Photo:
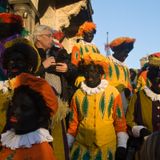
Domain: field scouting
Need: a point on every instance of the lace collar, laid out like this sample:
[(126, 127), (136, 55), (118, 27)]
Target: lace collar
[(86, 43), (117, 61), (98, 89), (10, 140), (153, 96)]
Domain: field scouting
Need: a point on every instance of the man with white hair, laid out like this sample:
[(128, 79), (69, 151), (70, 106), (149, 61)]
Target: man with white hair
[(58, 70)]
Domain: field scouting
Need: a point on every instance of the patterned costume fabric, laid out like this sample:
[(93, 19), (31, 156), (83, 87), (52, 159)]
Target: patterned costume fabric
[(80, 49), (97, 116), (142, 81), (118, 74)]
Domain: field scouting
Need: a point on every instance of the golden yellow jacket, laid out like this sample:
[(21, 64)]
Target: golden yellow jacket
[(96, 115)]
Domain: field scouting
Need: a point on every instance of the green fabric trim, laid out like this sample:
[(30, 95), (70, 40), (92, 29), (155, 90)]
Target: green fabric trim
[(119, 113), (86, 156), (98, 156), (81, 51), (109, 155), (76, 154), (117, 71), (102, 104), (85, 105), (110, 105), (110, 71), (86, 49)]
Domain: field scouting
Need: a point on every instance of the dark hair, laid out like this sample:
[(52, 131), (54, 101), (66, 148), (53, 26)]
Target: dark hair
[(9, 29), (29, 53)]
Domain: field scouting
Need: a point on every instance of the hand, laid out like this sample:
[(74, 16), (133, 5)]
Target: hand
[(61, 67), (49, 62), (144, 132), (120, 153)]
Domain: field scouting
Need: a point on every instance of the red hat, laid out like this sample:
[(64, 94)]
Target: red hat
[(58, 35), (121, 43), (86, 27), (10, 18), (154, 59)]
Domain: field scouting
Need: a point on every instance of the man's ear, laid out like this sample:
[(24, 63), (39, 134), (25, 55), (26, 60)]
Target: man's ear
[(38, 37)]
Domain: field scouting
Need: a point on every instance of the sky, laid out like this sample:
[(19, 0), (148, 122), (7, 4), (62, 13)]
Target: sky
[(139, 19)]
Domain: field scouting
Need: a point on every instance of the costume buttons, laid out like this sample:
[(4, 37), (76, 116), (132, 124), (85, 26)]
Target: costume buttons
[(158, 116), (158, 107)]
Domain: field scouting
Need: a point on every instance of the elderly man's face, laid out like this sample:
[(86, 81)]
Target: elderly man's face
[(45, 39)]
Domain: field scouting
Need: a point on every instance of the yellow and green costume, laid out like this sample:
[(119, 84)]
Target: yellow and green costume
[(118, 74), (96, 117)]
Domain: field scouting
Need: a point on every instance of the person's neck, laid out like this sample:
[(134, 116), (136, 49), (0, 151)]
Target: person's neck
[(117, 57), (155, 90), (38, 45)]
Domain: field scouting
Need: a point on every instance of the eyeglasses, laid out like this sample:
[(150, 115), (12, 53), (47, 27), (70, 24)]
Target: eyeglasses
[(48, 35)]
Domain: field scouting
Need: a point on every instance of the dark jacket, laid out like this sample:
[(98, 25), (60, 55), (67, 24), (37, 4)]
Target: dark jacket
[(68, 78)]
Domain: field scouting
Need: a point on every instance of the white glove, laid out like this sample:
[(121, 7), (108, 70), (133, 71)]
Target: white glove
[(70, 140)]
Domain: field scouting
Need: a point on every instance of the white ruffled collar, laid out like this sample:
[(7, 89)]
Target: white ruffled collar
[(86, 43), (99, 88), (117, 61), (10, 140), (153, 96)]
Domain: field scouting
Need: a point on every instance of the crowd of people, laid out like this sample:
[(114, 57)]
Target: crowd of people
[(82, 105)]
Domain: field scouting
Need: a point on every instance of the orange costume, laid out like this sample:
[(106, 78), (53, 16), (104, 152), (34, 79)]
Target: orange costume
[(29, 153)]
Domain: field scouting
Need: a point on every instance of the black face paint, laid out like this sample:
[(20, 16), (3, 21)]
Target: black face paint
[(92, 75), (23, 114), (16, 64), (154, 77), (88, 36), (27, 111)]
